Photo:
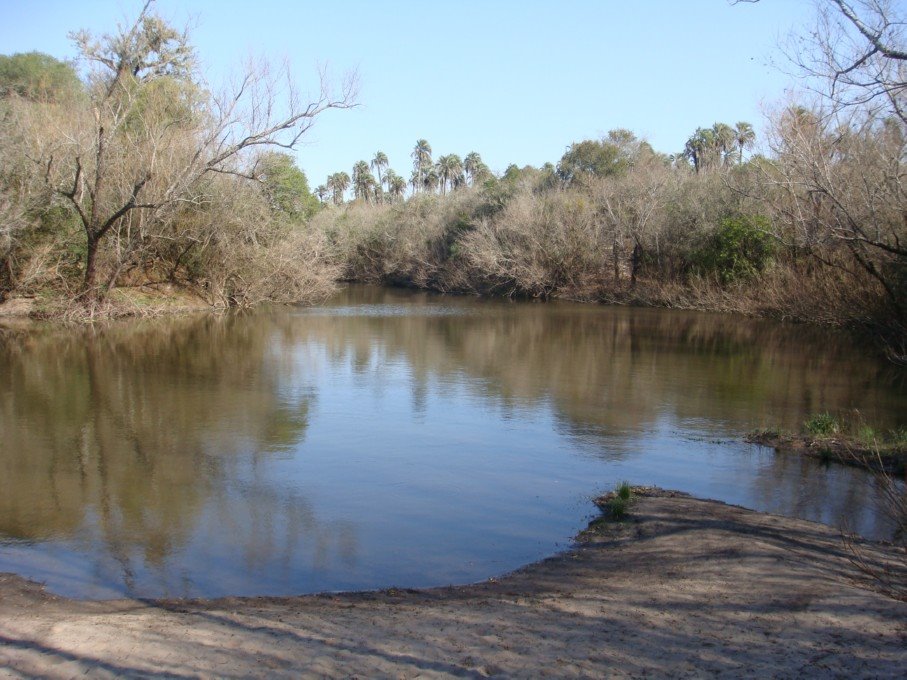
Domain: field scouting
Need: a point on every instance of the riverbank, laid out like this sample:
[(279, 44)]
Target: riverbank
[(683, 586), (138, 301), (890, 458)]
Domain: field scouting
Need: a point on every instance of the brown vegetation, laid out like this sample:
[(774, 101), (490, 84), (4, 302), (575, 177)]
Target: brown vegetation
[(890, 459), (811, 230), (656, 234), (140, 175)]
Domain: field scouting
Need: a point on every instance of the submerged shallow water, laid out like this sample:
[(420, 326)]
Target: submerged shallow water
[(392, 438)]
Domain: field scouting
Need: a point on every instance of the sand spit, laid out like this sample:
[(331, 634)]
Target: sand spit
[(685, 587)]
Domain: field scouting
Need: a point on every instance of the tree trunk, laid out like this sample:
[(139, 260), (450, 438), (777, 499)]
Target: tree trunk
[(635, 263), (7, 277), (90, 286), (615, 253)]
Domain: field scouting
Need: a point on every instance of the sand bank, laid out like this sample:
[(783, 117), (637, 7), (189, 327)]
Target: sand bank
[(683, 587)]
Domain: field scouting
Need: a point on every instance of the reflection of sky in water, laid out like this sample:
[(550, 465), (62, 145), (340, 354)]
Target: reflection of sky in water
[(404, 440)]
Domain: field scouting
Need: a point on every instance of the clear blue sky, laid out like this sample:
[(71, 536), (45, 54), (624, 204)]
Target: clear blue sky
[(517, 81)]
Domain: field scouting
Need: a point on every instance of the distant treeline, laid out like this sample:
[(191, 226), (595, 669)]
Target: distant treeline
[(814, 230)]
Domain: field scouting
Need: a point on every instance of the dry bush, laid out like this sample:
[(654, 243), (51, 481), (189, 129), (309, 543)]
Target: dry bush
[(237, 254), (219, 236), (836, 196), (411, 243), (290, 270), (140, 160), (539, 245)]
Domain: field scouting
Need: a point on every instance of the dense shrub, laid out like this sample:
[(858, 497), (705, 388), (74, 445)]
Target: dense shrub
[(740, 248)]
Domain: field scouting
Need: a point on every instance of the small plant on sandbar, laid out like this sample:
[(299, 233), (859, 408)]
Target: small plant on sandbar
[(822, 425), (624, 490), (619, 501), (617, 506)]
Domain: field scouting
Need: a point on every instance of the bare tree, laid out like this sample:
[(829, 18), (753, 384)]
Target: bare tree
[(840, 190), (151, 136), (629, 206), (858, 56), (835, 179)]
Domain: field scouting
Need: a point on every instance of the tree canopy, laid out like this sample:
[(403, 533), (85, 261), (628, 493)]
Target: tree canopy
[(38, 77), (599, 158), (286, 186)]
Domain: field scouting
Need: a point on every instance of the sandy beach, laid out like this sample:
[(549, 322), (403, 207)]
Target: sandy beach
[(684, 587)]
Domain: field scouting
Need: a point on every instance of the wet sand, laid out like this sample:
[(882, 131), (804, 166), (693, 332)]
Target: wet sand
[(684, 587)]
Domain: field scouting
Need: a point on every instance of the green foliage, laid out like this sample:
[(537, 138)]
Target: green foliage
[(866, 434), (624, 491), (898, 437), (163, 102), (38, 77), (719, 145), (740, 249), (286, 187), (618, 507), (591, 158), (822, 424), (512, 174), (460, 224), (619, 500), (497, 193), (58, 219)]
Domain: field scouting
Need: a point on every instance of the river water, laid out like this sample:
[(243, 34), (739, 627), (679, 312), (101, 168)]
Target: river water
[(392, 438)]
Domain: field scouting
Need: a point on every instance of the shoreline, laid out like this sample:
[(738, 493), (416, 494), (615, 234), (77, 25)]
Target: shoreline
[(163, 300), (683, 585), (135, 302), (839, 449)]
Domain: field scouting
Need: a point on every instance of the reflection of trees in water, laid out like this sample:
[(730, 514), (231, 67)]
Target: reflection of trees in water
[(610, 374), (277, 525), (795, 484), (134, 429), (142, 431), (612, 370)]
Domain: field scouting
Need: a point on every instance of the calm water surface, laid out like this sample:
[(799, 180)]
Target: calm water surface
[(391, 438)]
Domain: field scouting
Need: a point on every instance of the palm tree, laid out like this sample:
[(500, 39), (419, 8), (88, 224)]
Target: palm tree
[(338, 183), (443, 175), (377, 163), (472, 164), (321, 191), (363, 181), (450, 171), (421, 156), (700, 148), (746, 137), (396, 185), (725, 140), (455, 168), (430, 178), (694, 149)]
